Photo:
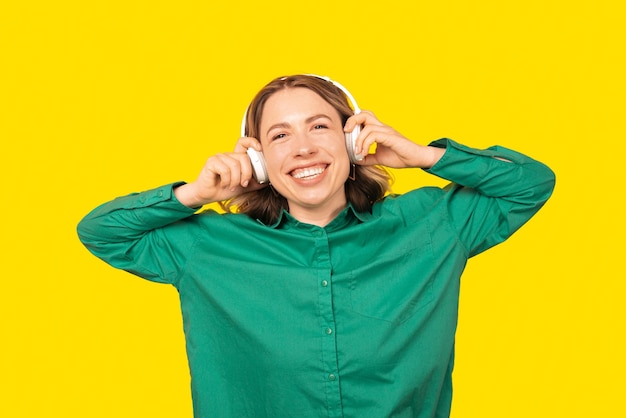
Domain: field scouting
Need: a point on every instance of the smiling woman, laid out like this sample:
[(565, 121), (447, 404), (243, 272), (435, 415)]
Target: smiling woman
[(320, 295), (362, 188)]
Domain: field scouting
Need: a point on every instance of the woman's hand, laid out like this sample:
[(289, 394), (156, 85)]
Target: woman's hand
[(392, 149), (223, 176)]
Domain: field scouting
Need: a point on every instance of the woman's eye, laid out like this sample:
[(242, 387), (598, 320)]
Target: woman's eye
[(320, 126), (278, 136)]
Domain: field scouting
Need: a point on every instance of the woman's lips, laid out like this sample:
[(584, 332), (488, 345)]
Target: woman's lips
[(307, 173)]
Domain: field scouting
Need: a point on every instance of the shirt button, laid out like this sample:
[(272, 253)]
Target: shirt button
[(332, 377), (329, 331), (324, 283)]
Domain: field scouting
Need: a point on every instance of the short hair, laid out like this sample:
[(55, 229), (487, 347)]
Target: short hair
[(370, 184)]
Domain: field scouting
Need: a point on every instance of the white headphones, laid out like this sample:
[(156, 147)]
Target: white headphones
[(259, 168)]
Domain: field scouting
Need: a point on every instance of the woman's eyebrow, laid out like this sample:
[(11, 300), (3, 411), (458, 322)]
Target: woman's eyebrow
[(318, 116), (284, 125)]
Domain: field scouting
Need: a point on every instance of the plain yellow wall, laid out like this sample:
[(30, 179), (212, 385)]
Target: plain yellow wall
[(103, 98)]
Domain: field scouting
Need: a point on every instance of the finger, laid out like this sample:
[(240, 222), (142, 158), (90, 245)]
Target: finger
[(247, 142), (246, 169), (369, 136), (215, 172), (255, 185), (235, 165), (229, 170), (369, 159), (365, 117), (220, 168)]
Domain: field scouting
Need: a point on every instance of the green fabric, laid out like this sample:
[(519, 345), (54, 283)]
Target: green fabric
[(356, 319)]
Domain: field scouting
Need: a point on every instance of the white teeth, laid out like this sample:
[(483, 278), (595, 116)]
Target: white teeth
[(308, 172)]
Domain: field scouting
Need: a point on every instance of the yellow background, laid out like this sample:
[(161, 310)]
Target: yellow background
[(102, 98)]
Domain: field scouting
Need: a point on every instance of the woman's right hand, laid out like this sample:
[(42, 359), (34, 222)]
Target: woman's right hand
[(223, 176)]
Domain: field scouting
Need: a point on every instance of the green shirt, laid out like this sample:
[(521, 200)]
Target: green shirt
[(356, 319)]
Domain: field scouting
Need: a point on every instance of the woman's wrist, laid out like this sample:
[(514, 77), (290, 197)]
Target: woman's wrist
[(187, 196), (426, 156)]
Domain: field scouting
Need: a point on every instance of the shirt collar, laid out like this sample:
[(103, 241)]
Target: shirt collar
[(346, 217)]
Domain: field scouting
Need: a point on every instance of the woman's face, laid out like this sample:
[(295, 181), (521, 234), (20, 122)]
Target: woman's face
[(304, 147)]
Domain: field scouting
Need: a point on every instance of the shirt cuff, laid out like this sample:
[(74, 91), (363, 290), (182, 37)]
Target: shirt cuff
[(471, 166)]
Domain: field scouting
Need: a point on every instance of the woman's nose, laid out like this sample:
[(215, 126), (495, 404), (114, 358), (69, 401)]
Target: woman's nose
[(304, 145)]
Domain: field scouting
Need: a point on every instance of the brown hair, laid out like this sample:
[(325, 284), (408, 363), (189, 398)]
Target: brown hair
[(370, 183)]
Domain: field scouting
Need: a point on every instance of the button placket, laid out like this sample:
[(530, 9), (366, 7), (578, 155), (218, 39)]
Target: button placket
[(327, 321)]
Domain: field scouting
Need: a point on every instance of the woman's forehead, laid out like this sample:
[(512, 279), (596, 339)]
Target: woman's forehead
[(292, 101)]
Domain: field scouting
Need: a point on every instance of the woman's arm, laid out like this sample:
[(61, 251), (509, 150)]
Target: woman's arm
[(136, 233), (148, 233), (493, 192)]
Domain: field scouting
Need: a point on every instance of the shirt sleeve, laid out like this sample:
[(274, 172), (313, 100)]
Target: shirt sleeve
[(492, 193), (128, 233)]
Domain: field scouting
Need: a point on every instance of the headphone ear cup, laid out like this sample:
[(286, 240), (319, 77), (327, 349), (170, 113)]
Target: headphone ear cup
[(259, 169), (351, 143)]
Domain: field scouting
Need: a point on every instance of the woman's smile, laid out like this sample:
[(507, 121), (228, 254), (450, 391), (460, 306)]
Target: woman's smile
[(308, 173)]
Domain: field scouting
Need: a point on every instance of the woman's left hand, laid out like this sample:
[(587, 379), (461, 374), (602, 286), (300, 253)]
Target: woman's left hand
[(392, 148)]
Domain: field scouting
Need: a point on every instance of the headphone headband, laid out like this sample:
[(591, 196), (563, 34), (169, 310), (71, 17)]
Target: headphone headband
[(355, 107)]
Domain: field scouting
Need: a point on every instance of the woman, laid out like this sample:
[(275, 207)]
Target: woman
[(320, 295)]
